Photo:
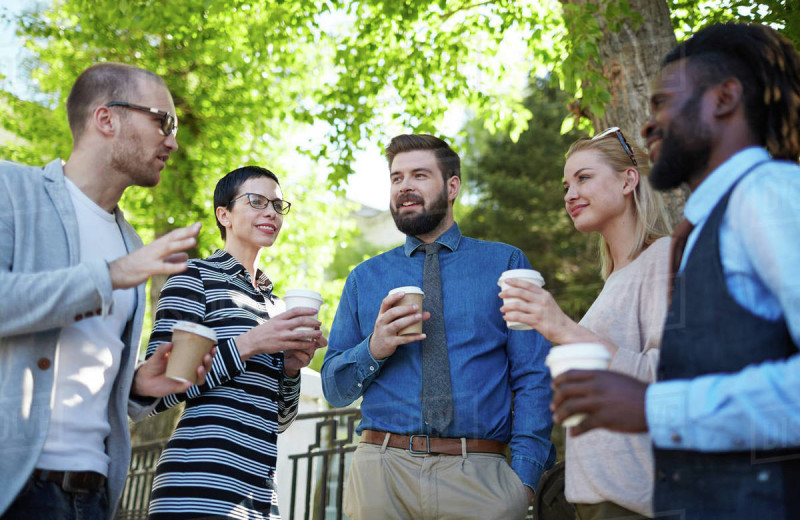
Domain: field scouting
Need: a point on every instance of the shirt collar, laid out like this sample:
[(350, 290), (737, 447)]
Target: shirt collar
[(706, 196), (232, 267), (449, 239)]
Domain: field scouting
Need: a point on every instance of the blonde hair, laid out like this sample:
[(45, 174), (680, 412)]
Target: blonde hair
[(652, 219)]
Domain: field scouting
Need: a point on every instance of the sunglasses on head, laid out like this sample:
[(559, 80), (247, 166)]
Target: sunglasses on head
[(625, 146), (169, 125)]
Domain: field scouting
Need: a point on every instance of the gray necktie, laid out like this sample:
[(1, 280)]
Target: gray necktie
[(437, 394)]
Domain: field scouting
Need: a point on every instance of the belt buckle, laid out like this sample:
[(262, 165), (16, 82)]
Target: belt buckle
[(418, 452), (70, 483)]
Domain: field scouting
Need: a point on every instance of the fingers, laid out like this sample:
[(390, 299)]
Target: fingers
[(390, 301), (177, 258)]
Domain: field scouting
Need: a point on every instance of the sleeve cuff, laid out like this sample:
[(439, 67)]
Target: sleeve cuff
[(666, 405), (528, 471)]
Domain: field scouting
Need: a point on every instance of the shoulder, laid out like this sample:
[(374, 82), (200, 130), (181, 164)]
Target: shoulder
[(488, 246), (770, 191), (380, 261), (20, 174)]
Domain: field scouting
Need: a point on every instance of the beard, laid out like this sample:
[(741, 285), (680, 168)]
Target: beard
[(685, 150), (128, 157), (422, 223)]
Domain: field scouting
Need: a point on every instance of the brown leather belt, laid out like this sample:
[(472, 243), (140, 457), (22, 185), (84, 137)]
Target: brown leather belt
[(424, 444), (74, 481)]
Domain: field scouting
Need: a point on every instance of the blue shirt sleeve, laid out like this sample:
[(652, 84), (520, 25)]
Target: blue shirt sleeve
[(530, 384), (348, 367)]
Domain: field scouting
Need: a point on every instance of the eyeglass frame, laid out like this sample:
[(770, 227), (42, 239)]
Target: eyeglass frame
[(280, 210), (167, 119), (624, 142)]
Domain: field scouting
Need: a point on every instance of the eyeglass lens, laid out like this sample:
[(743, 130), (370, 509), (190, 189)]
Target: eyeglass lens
[(260, 202)]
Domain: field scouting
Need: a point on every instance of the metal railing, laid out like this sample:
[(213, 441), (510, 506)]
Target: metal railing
[(324, 462)]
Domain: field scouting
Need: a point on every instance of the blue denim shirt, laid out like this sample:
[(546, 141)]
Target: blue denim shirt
[(488, 362)]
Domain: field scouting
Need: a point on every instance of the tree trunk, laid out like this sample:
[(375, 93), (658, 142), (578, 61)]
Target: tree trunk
[(630, 60)]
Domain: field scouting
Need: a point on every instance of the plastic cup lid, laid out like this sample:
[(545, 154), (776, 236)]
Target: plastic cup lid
[(529, 274), (577, 350), (408, 289), (195, 328), (303, 293)]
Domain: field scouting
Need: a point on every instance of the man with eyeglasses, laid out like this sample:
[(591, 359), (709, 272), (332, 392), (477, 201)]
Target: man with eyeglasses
[(72, 272), (724, 415)]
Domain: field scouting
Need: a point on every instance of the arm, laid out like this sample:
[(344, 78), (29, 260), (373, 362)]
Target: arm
[(289, 392), (353, 361), (289, 385), (531, 450), (183, 298)]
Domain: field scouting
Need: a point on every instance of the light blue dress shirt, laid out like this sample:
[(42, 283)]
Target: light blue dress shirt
[(488, 362), (759, 407)]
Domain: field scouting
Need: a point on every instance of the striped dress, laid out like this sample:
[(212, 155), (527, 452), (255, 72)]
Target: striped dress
[(220, 460)]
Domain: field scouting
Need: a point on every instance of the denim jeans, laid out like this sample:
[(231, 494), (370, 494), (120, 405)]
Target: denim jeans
[(45, 500)]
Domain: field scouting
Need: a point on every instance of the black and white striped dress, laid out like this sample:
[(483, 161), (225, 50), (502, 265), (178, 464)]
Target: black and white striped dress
[(220, 460)]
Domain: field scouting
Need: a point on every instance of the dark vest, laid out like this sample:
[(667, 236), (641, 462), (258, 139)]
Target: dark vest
[(707, 332)]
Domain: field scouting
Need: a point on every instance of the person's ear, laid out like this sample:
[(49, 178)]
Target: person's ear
[(105, 121), (631, 180), (223, 216), (453, 187), (728, 97)]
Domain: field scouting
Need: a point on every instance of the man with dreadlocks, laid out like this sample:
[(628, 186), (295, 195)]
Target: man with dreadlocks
[(724, 416)]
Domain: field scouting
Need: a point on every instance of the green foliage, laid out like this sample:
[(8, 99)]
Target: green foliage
[(239, 76), (516, 196), (783, 15)]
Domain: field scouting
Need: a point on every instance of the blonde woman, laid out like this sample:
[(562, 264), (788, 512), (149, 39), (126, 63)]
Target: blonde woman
[(610, 475)]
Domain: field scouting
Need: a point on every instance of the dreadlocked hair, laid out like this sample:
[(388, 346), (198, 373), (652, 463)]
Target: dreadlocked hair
[(768, 67)]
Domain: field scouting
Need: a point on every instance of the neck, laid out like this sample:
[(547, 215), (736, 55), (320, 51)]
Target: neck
[(620, 235), (95, 178), (732, 141), (248, 256)]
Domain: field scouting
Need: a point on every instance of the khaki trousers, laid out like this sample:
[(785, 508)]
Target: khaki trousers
[(393, 484)]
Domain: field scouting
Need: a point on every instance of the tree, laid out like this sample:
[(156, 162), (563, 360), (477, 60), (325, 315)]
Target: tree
[(516, 196)]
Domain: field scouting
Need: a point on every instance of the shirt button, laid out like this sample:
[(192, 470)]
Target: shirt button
[(371, 368), (763, 476), (676, 477), (676, 438), (43, 363), (359, 385)]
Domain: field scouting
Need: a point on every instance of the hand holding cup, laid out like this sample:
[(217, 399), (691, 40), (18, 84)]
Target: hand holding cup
[(392, 326)]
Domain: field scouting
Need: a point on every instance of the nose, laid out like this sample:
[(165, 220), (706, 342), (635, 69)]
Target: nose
[(571, 194), (171, 142)]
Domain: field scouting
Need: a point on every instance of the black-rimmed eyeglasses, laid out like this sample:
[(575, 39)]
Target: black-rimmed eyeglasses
[(169, 125), (625, 146), (257, 201)]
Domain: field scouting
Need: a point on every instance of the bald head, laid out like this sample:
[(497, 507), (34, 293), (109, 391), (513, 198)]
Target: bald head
[(101, 84)]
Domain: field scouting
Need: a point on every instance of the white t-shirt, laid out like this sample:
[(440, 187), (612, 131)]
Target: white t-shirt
[(87, 357)]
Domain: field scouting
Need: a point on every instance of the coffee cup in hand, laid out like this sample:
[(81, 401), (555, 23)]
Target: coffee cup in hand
[(303, 298), (413, 296), (529, 275), (190, 342), (577, 356)]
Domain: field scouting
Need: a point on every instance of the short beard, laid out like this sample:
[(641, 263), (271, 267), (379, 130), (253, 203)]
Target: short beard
[(685, 150), (425, 222)]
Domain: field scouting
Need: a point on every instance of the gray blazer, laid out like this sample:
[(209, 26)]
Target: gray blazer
[(43, 287)]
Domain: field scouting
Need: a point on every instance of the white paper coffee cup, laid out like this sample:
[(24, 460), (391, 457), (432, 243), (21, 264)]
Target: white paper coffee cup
[(190, 342), (303, 298), (413, 296), (577, 356), (528, 275)]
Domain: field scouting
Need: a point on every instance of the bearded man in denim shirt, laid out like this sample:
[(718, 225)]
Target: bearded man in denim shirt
[(406, 466)]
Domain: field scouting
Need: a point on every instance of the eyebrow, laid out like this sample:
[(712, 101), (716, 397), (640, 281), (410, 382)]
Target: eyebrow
[(415, 170)]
